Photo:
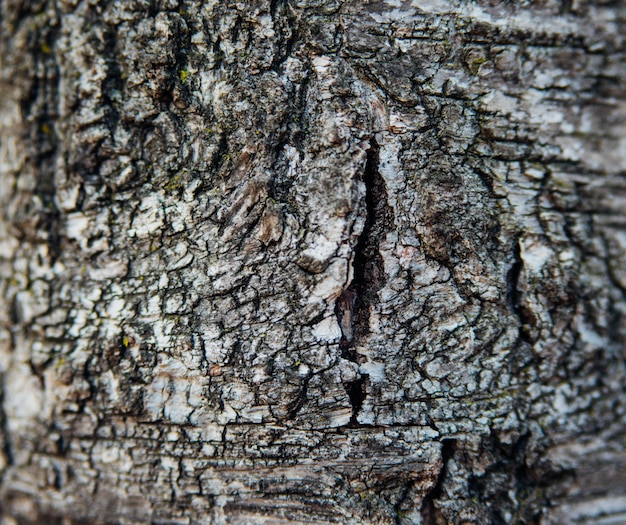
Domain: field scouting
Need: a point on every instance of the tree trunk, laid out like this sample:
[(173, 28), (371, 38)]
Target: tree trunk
[(312, 261)]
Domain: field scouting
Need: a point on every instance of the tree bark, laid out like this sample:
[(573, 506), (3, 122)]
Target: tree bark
[(312, 261)]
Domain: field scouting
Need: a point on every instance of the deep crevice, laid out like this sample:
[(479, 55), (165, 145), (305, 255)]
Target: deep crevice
[(113, 84), (38, 104), (7, 448), (428, 510), (295, 406), (357, 393), (354, 305), (515, 298)]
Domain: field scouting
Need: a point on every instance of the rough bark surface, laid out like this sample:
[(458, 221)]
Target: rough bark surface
[(312, 261)]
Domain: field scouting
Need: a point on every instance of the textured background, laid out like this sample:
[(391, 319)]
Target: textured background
[(312, 261)]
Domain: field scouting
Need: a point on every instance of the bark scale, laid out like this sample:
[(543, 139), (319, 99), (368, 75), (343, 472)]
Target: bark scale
[(312, 261)]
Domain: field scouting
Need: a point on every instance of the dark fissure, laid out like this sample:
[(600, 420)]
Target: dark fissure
[(429, 510), (515, 298), (39, 108), (354, 305)]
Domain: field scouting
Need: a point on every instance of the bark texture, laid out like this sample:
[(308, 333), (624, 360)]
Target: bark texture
[(312, 261)]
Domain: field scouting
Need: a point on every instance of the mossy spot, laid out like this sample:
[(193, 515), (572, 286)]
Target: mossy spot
[(474, 64), (174, 184), (183, 74)]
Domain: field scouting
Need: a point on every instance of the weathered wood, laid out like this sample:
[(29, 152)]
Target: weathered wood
[(312, 261)]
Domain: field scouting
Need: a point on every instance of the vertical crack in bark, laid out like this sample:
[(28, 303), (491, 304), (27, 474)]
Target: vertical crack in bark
[(295, 406), (113, 83), (428, 510), (514, 296), (39, 109), (354, 305), (7, 448)]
